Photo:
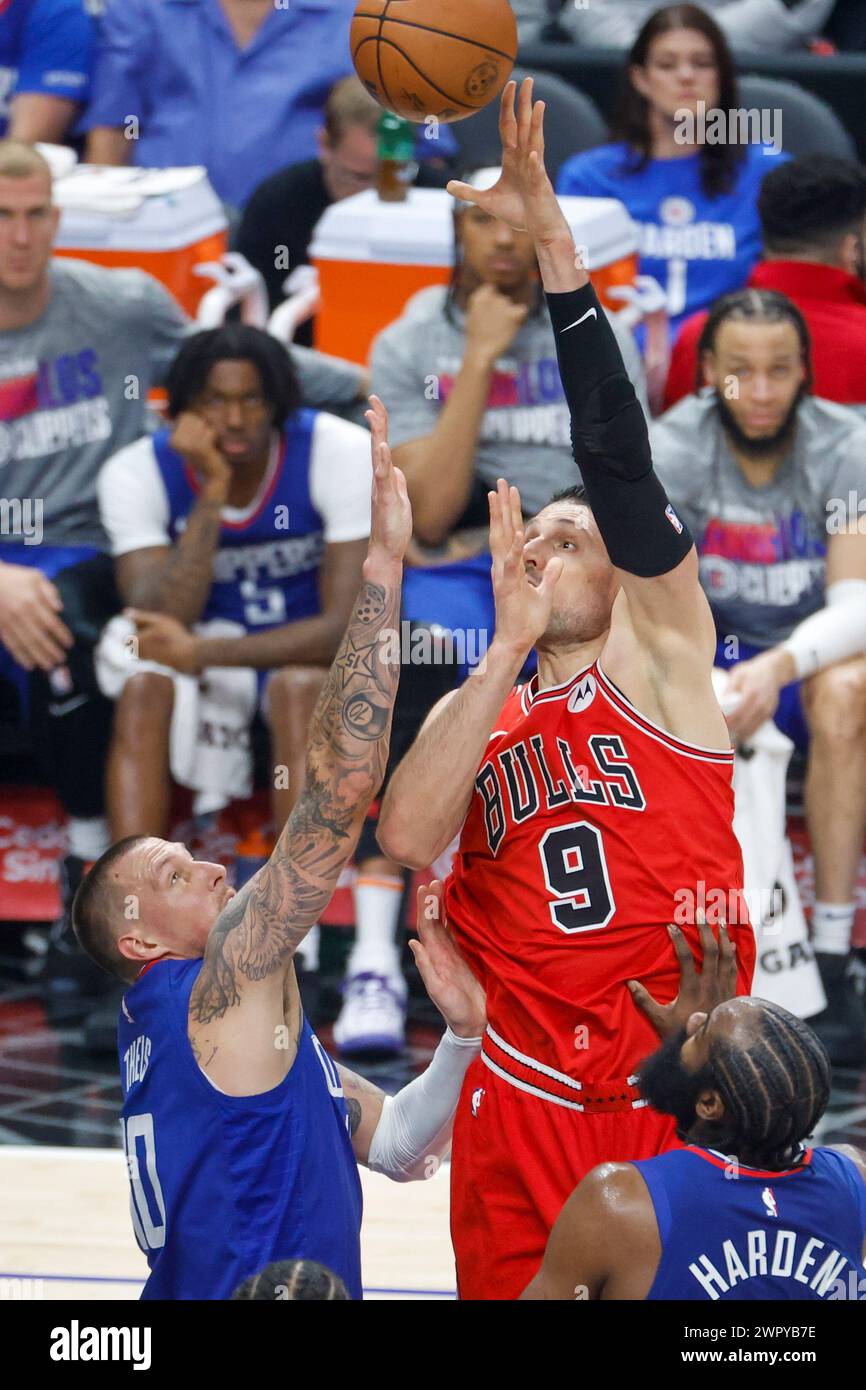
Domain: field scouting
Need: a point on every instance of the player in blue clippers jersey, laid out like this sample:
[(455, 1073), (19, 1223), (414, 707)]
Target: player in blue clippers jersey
[(745, 1211), (241, 1135), (249, 510)]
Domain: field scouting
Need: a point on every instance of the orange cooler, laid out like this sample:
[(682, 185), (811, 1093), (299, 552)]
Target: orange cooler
[(165, 221), (372, 256)]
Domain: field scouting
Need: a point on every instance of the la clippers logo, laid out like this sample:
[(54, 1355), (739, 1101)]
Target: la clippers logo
[(676, 211), (476, 1100), (769, 1201), (674, 519), (583, 696)]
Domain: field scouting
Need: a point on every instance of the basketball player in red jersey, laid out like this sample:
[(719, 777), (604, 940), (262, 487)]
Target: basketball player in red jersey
[(595, 802)]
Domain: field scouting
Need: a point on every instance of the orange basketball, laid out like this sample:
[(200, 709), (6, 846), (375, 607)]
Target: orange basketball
[(442, 58)]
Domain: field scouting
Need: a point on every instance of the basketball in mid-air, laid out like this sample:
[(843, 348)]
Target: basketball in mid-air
[(442, 58)]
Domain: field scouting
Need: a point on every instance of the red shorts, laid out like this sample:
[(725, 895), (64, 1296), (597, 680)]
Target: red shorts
[(515, 1160)]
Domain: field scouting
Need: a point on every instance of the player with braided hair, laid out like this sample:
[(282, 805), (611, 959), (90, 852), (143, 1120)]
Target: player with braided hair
[(746, 1210), (293, 1281)]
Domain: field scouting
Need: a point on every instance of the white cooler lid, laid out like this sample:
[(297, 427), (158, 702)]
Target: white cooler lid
[(108, 208), (420, 230)]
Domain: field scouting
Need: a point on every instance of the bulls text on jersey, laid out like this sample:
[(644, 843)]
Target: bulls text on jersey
[(537, 775)]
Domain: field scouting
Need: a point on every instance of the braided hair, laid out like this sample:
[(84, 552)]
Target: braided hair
[(774, 1089), (754, 306), (293, 1281)]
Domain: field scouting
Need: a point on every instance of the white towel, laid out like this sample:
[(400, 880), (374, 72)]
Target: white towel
[(785, 969), (209, 747)]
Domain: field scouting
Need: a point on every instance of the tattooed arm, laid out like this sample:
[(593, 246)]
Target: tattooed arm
[(236, 1015)]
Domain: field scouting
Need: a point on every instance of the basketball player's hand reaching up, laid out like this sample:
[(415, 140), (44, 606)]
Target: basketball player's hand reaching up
[(447, 978), (524, 597), (523, 196), (698, 993), (391, 520)]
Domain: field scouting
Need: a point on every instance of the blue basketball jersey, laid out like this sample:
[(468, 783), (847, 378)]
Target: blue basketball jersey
[(222, 1185), (741, 1233), (266, 567)]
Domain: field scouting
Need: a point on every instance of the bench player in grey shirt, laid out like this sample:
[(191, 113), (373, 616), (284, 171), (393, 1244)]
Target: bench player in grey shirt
[(80, 347), (770, 480)]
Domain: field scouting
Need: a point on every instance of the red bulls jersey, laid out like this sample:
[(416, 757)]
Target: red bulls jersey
[(589, 830)]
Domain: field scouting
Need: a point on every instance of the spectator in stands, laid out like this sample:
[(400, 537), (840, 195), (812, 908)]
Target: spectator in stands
[(699, 234), (771, 479), (80, 347), (470, 379), (46, 56), (278, 221), (244, 508), (236, 85), (813, 219), (753, 25)]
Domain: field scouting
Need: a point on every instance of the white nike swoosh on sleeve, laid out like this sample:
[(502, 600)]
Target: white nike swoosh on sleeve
[(590, 313)]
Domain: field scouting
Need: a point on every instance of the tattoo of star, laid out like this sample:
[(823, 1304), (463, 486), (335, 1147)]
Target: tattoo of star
[(355, 661)]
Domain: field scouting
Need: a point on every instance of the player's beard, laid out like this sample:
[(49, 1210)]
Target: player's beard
[(767, 444), (670, 1087), (570, 625)]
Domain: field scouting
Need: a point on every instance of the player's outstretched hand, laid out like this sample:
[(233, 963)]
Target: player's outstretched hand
[(523, 600), (523, 197), (391, 523), (447, 978), (698, 993)]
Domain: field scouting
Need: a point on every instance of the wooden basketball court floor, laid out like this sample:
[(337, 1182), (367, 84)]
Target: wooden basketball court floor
[(66, 1233)]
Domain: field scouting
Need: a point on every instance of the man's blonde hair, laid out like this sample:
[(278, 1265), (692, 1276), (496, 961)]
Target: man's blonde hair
[(19, 161)]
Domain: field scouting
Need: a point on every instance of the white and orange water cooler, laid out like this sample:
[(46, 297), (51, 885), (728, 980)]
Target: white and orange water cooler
[(165, 221), (372, 256)]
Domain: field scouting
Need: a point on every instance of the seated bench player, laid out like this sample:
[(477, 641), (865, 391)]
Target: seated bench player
[(245, 507), (767, 476)]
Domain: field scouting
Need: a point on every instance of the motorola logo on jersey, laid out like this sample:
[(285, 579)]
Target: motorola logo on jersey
[(583, 695)]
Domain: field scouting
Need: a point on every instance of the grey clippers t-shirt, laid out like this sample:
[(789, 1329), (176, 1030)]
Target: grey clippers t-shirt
[(525, 433), (74, 386), (73, 389), (762, 549)]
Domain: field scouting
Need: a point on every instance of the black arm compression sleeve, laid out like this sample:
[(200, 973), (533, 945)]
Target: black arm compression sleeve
[(610, 442)]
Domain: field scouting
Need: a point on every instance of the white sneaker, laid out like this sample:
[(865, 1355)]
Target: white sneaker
[(373, 1016)]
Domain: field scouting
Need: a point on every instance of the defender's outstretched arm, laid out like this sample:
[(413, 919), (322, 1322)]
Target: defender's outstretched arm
[(260, 930)]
